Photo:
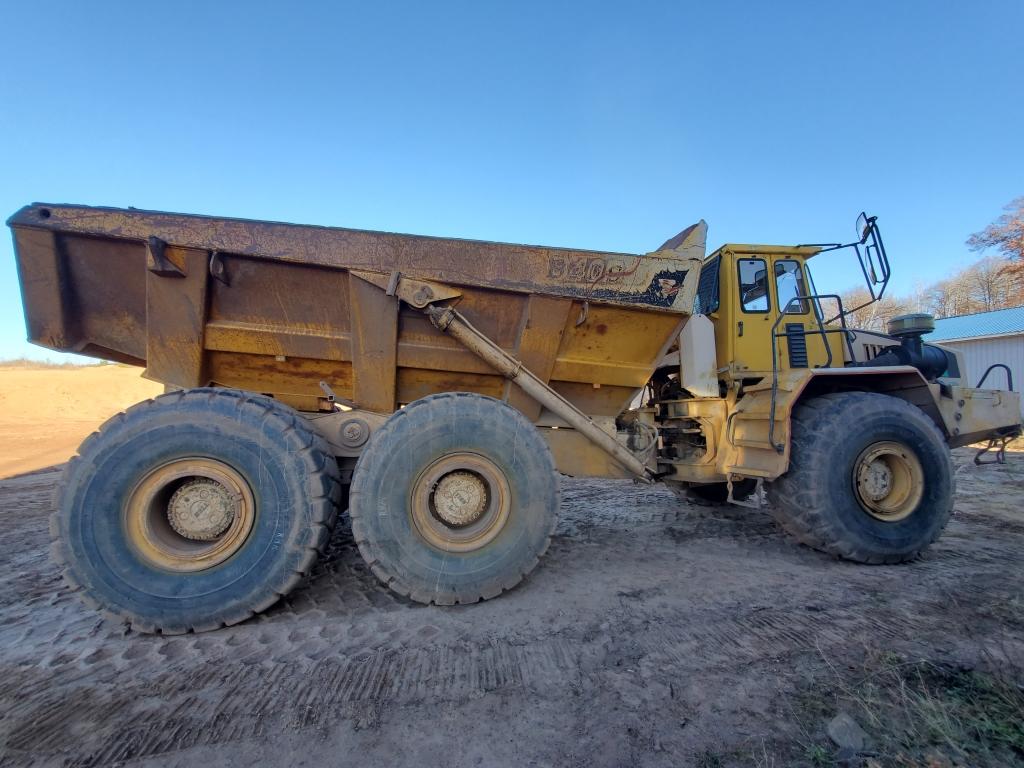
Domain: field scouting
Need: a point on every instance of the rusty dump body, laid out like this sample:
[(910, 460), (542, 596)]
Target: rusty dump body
[(278, 308)]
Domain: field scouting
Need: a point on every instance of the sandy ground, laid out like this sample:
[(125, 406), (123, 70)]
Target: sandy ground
[(31, 399), (654, 633)]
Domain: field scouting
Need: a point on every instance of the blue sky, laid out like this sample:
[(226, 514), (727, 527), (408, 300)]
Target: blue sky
[(608, 126)]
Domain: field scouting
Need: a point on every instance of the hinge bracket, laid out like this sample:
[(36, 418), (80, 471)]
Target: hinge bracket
[(157, 261)]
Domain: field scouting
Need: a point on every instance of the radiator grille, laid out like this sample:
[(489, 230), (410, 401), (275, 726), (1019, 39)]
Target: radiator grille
[(796, 342)]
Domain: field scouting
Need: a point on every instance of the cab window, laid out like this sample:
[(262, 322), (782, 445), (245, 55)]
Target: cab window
[(706, 300), (753, 276), (789, 283)]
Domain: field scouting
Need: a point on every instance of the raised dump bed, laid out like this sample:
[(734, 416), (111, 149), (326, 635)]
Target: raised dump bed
[(278, 308)]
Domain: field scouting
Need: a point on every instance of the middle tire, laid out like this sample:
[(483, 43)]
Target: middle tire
[(454, 499)]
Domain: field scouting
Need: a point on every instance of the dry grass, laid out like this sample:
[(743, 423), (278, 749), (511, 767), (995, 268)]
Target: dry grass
[(921, 714)]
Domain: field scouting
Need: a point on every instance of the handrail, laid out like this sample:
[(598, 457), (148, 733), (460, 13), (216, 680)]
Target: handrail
[(1009, 375), (779, 448)]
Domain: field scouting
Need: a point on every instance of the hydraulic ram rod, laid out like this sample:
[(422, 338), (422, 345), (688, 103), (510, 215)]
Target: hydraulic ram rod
[(448, 320)]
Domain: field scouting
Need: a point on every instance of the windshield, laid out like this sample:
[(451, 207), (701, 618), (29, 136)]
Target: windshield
[(789, 284)]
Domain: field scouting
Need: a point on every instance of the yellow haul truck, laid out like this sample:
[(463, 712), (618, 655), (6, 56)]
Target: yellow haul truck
[(440, 386)]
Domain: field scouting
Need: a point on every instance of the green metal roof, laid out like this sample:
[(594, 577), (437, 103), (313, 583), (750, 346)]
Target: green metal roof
[(999, 322)]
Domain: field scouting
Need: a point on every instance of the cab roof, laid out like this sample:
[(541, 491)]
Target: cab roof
[(742, 249)]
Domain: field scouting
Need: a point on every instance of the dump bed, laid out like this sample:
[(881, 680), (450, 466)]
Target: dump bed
[(278, 308)]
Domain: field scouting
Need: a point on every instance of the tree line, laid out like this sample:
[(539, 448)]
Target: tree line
[(994, 281)]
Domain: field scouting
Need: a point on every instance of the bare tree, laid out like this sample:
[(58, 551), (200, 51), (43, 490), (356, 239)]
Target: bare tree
[(874, 316), (981, 287), (946, 298), (1006, 235), (989, 287)]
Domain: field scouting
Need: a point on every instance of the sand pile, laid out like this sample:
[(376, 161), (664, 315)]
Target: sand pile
[(45, 412)]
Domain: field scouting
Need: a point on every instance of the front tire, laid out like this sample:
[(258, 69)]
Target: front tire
[(195, 510), (454, 499), (870, 478)]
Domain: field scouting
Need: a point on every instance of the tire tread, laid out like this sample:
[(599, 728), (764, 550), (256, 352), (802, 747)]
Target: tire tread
[(798, 498), (393, 582), (305, 442)]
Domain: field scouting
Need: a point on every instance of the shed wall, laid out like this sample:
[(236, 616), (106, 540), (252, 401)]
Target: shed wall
[(979, 354)]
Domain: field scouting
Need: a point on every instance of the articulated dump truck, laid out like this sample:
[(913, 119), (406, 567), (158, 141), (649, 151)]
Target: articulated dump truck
[(439, 387)]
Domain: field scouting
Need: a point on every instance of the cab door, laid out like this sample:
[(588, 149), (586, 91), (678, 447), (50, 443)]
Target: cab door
[(753, 314), (761, 287), (802, 345)]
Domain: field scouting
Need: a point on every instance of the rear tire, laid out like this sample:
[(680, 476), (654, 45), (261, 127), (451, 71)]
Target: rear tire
[(454, 499), (870, 478), (134, 530)]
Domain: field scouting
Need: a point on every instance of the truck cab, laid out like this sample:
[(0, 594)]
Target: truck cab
[(763, 349), (745, 290)]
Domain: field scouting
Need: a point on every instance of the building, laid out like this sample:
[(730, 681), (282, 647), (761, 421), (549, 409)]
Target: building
[(986, 338)]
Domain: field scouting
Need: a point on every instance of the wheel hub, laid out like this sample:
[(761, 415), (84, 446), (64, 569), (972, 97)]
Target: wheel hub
[(460, 498), (189, 514), (877, 480), (888, 480), (201, 509), (460, 502)]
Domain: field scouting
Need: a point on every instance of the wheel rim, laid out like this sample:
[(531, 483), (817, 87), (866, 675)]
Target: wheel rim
[(461, 502), (888, 480), (190, 514)]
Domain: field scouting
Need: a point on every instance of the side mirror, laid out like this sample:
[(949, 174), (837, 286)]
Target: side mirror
[(864, 224), (873, 260), (871, 270)]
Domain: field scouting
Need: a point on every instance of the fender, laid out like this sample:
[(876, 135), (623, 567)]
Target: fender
[(751, 448)]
